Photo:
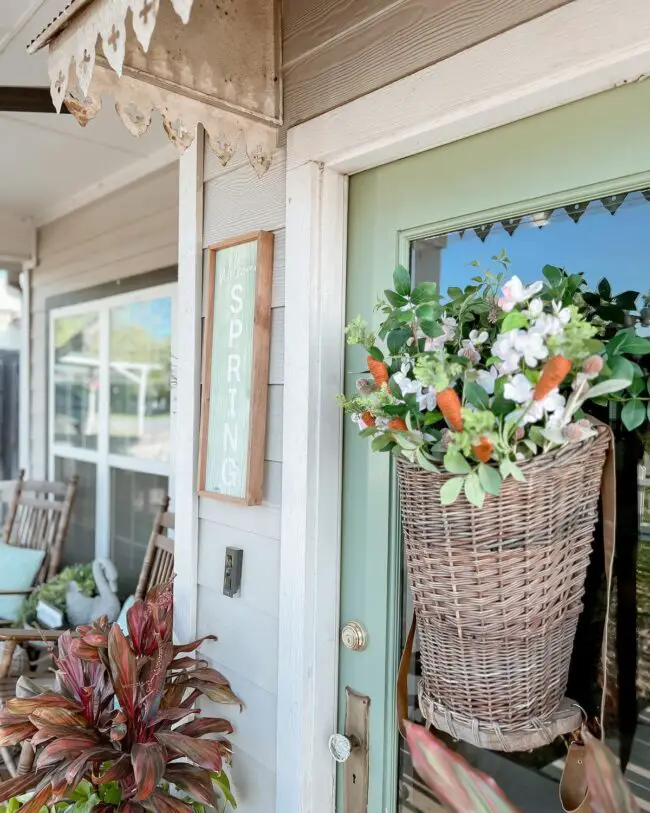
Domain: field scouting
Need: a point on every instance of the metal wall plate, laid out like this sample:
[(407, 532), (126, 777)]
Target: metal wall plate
[(356, 767)]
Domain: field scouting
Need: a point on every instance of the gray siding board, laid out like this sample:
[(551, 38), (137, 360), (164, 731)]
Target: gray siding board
[(335, 54)]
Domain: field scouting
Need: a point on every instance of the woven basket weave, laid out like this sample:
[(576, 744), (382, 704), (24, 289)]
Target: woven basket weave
[(497, 594)]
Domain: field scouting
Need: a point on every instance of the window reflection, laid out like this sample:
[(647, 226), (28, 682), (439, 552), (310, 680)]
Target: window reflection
[(140, 360), (76, 380)]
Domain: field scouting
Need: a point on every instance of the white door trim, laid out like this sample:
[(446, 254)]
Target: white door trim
[(582, 48)]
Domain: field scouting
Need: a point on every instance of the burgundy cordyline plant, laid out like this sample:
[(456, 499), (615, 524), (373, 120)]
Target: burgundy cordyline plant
[(123, 715)]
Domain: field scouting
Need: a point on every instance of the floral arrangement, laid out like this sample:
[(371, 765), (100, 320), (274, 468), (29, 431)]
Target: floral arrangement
[(54, 591), (122, 731), (493, 375)]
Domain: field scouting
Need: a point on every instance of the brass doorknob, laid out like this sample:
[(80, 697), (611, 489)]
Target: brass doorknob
[(354, 636)]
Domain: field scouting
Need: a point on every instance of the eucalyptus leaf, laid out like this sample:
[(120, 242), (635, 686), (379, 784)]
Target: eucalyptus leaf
[(455, 463), (402, 280), (424, 461), (607, 386), (490, 479), (451, 489), (474, 490), (381, 442)]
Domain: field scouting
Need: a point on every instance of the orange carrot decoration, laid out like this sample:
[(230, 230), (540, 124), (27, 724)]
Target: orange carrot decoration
[(368, 418), (555, 371), (483, 449), (379, 371), (449, 404), (398, 425)]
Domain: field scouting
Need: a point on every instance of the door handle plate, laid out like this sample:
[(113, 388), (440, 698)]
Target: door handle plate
[(356, 767)]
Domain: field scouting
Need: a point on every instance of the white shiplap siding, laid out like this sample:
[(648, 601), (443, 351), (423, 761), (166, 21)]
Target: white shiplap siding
[(237, 201)]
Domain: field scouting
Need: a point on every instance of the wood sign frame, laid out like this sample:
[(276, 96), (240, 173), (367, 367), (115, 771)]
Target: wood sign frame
[(236, 347)]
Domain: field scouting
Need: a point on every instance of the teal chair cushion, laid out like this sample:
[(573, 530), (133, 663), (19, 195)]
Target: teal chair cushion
[(18, 569)]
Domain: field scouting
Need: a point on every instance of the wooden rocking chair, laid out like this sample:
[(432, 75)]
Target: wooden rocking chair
[(157, 568), (38, 518)]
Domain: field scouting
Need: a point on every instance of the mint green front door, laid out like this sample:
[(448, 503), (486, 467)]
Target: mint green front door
[(420, 211)]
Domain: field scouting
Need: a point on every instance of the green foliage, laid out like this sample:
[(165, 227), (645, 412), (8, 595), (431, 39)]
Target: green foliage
[(54, 591), (122, 717)]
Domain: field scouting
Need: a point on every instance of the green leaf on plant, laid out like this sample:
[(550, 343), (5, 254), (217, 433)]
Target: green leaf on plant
[(633, 414), (454, 293), (455, 463), (396, 340), (474, 490), (425, 292), (425, 312), (638, 346), (396, 300), (552, 274), (490, 479), (627, 300), (451, 489), (513, 321), (402, 280), (510, 469), (621, 368), (637, 386), (381, 442), (431, 329), (502, 406), (605, 289), (476, 395)]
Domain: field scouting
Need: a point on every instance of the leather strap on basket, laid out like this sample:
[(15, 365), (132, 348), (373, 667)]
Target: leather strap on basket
[(608, 499)]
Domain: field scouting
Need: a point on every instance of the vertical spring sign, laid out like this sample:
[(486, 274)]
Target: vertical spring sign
[(235, 369)]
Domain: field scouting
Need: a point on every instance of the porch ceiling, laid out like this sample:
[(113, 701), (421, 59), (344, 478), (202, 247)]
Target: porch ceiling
[(48, 161)]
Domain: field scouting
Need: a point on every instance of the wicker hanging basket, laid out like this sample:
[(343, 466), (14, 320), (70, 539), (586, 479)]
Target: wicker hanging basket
[(497, 594)]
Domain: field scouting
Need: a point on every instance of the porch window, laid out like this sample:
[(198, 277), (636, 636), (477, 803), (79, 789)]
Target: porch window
[(111, 421)]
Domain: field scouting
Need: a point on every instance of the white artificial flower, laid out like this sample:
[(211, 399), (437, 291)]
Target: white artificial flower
[(504, 348), (553, 402), (546, 325), (487, 379), (407, 385), (434, 344), (518, 389), (470, 352), (563, 314), (515, 293), (535, 308), (556, 419), (427, 399), (531, 346), (477, 338)]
